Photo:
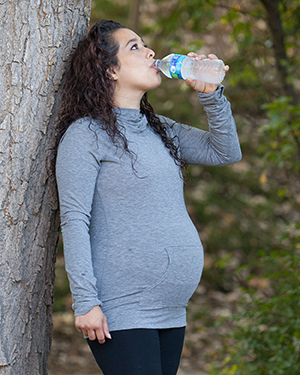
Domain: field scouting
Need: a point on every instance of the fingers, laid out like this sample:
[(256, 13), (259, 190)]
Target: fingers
[(93, 325), (196, 56), (201, 86), (106, 329), (102, 332), (212, 56), (99, 335), (201, 57), (85, 328), (93, 332)]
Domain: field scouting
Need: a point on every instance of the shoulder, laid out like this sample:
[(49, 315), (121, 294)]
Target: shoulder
[(173, 128), (168, 124), (80, 129), (84, 132), (84, 139)]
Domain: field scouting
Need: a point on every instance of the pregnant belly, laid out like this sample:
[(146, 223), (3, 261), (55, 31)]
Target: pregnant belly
[(154, 278), (179, 281)]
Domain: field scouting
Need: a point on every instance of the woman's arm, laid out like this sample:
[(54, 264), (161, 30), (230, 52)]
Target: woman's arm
[(217, 147), (77, 168)]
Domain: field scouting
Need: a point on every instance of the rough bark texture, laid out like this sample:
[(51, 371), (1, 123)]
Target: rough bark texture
[(134, 17), (276, 28), (36, 38)]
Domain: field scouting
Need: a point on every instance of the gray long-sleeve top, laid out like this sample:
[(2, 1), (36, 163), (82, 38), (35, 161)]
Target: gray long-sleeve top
[(129, 243)]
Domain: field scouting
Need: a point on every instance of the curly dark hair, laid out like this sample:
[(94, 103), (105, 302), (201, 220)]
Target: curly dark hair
[(88, 89)]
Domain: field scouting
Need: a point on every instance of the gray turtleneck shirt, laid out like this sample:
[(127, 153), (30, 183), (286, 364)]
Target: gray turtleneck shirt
[(129, 243)]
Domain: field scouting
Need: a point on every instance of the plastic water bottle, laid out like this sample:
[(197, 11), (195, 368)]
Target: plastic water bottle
[(182, 67)]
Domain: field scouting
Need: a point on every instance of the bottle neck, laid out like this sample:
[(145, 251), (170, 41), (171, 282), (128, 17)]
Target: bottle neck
[(157, 64)]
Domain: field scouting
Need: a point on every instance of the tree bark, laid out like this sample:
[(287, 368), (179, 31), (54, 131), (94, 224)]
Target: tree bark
[(134, 16), (276, 28), (36, 38)]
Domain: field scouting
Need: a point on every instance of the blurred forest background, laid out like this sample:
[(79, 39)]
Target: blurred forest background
[(244, 318)]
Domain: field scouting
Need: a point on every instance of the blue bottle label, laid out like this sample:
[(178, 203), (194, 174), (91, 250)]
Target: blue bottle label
[(175, 66)]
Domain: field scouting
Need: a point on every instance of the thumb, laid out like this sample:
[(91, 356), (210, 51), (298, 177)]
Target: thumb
[(195, 84)]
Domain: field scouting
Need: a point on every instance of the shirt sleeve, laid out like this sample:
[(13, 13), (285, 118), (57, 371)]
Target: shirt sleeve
[(217, 147), (77, 168)]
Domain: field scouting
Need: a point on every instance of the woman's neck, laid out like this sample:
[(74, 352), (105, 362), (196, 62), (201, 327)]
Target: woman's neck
[(122, 100)]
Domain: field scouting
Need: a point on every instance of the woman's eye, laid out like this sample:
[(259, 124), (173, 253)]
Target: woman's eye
[(135, 46)]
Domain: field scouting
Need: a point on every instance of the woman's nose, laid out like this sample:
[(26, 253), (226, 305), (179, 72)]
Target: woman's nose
[(150, 53)]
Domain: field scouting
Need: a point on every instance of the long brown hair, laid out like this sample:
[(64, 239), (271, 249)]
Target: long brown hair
[(88, 89)]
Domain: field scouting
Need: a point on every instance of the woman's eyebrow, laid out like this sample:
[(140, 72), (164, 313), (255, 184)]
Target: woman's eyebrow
[(133, 40)]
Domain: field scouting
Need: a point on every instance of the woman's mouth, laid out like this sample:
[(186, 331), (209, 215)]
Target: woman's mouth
[(153, 66)]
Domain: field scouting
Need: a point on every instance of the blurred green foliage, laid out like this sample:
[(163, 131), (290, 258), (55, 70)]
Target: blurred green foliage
[(266, 329), (241, 210)]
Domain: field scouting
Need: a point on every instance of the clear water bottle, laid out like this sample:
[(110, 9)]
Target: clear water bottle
[(182, 67)]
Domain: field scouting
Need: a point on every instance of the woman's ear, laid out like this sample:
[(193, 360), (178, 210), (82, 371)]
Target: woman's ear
[(112, 74)]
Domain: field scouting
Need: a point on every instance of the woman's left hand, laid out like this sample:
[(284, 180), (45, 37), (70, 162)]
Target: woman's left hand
[(199, 85)]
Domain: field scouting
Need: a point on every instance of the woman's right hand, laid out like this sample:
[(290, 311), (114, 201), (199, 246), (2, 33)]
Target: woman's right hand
[(93, 325), (200, 86)]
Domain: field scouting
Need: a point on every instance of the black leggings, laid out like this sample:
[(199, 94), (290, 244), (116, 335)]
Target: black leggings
[(140, 352)]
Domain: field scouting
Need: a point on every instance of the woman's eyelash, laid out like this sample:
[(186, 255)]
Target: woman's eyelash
[(136, 46)]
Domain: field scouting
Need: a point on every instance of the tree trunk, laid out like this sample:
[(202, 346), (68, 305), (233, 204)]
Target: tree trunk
[(36, 37), (134, 16), (276, 28)]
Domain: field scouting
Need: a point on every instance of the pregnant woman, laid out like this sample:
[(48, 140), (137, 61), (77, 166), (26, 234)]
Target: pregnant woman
[(132, 254)]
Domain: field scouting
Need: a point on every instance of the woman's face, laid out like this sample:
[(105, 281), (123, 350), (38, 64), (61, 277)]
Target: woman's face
[(136, 73)]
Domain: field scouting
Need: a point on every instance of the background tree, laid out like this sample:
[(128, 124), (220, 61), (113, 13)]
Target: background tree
[(36, 37)]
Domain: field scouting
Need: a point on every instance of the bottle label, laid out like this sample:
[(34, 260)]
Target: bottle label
[(175, 66)]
